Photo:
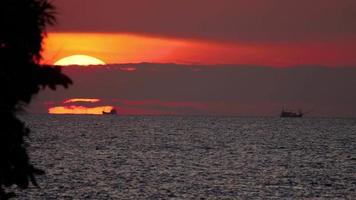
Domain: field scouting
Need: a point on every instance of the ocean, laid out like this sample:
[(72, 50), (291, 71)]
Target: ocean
[(192, 157)]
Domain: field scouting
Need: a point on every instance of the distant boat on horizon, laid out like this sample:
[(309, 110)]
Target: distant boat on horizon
[(291, 114), (111, 112)]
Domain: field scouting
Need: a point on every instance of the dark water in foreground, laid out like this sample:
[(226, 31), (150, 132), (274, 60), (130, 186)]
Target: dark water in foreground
[(109, 157)]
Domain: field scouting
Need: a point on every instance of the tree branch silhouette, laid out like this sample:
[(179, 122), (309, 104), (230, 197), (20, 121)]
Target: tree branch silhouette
[(23, 27)]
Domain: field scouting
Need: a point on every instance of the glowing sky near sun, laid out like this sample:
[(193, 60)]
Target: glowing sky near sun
[(71, 106), (81, 100), (82, 110), (115, 48)]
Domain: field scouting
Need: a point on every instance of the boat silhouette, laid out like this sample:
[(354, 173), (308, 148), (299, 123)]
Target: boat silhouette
[(111, 112), (291, 114)]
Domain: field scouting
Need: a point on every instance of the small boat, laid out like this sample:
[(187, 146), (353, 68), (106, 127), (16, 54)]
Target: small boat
[(111, 112), (291, 114)]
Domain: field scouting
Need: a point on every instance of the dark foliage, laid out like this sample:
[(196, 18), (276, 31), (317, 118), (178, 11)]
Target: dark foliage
[(22, 29)]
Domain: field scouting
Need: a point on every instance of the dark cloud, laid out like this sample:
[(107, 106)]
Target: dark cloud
[(236, 20), (223, 89)]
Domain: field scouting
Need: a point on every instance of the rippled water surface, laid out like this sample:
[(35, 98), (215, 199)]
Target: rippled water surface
[(146, 157)]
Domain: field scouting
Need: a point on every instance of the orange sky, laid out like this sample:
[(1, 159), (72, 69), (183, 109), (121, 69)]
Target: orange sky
[(68, 107), (79, 110), (130, 48)]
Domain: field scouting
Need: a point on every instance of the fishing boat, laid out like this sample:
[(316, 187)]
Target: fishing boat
[(291, 114), (111, 112)]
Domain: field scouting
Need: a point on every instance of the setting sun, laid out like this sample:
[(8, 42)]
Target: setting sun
[(79, 60)]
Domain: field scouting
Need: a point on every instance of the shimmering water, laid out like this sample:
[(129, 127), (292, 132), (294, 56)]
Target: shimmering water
[(110, 157)]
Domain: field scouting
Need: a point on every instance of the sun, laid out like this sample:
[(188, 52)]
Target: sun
[(82, 60)]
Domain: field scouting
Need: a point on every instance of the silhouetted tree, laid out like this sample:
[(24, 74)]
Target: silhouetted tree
[(22, 28)]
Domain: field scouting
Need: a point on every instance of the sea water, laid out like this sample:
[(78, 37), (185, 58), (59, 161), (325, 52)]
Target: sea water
[(192, 157)]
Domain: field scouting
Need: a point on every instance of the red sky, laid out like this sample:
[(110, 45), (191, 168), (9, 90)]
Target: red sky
[(227, 20), (255, 32), (267, 41)]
